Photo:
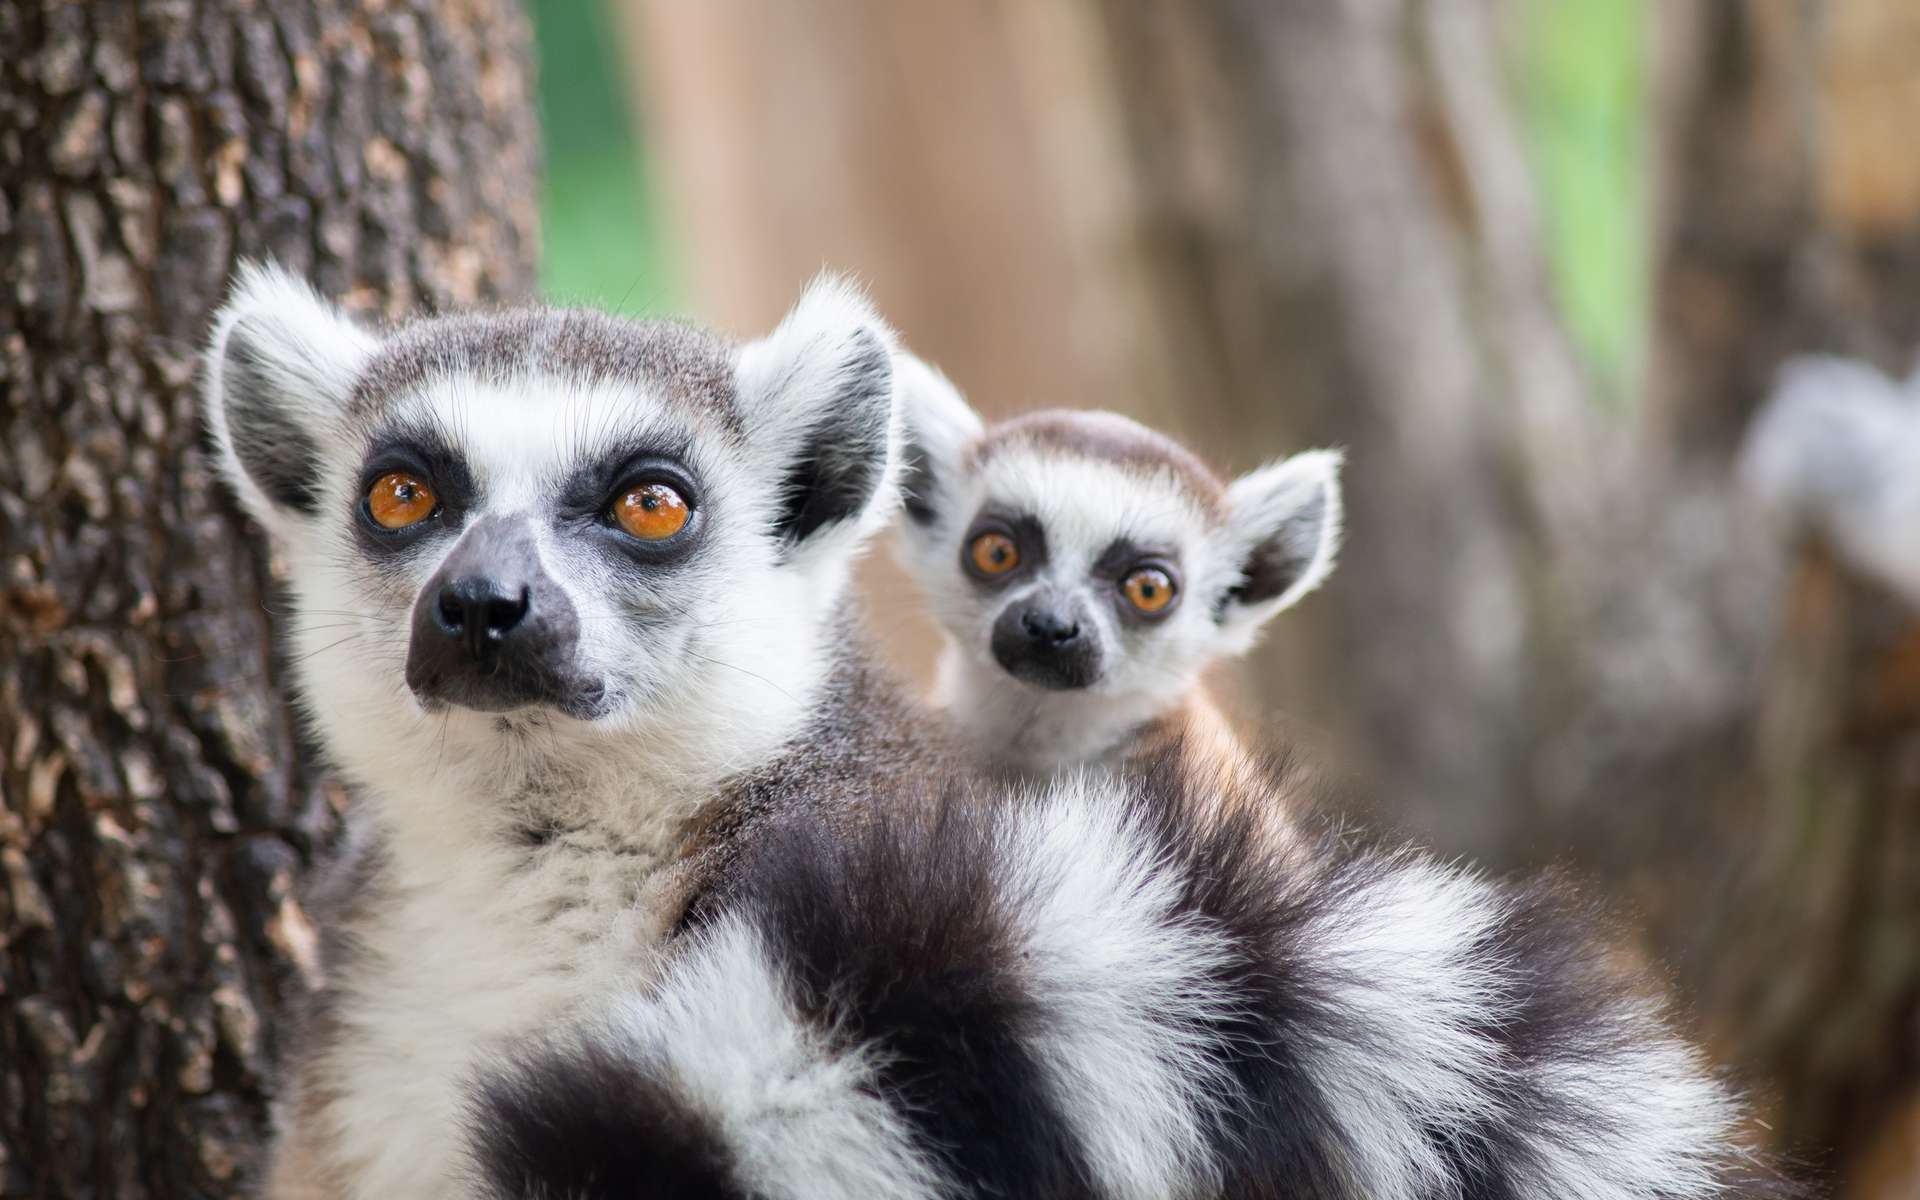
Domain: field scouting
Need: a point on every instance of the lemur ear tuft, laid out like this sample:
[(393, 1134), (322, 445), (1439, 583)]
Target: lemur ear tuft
[(817, 397), (939, 430), (1284, 527), (278, 371)]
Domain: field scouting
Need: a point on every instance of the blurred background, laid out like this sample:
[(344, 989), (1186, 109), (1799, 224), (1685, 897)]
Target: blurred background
[(1622, 587), (1614, 305)]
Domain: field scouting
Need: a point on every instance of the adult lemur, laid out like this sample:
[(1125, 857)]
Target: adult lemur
[(660, 889), (1086, 570)]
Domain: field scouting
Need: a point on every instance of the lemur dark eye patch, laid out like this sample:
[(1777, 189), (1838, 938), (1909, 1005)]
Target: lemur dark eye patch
[(993, 553), (645, 505), (421, 455), (1124, 554), (1145, 579), (592, 486), (1001, 546)]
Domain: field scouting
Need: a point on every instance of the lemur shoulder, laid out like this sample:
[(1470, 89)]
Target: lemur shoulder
[(660, 887), (1087, 571)]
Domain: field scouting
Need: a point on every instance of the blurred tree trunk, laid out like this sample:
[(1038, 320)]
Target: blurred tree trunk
[(1274, 223), (156, 808), (1793, 224)]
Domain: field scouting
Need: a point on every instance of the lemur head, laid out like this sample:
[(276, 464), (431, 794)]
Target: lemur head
[(1088, 557), (555, 529)]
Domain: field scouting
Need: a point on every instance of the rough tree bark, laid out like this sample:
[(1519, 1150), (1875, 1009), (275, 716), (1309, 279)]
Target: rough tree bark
[(1557, 627), (156, 807)]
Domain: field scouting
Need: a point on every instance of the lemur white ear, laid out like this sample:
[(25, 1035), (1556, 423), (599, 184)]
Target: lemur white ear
[(817, 396), (278, 372), (1283, 526), (939, 430)]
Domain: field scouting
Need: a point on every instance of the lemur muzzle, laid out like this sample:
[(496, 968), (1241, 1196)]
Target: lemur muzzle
[(493, 631)]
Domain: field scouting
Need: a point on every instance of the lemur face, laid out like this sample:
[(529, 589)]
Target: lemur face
[(1083, 551), (555, 520)]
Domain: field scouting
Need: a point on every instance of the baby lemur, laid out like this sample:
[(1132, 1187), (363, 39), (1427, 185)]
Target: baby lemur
[(659, 888), (1086, 570)]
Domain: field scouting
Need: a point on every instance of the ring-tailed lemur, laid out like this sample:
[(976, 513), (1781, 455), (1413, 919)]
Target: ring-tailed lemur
[(660, 889), (1086, 570), (565, 587)]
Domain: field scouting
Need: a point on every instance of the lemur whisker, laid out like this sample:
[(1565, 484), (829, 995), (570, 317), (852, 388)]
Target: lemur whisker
[(440, 759), (328, 612), (750, 674), (628, 294), (302, 658), (327, 628)]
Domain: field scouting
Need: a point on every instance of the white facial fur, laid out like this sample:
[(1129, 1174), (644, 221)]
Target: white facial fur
[(707, 664), (1083, 502)]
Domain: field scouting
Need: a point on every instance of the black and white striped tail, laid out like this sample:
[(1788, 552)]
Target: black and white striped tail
[(1098, 994)]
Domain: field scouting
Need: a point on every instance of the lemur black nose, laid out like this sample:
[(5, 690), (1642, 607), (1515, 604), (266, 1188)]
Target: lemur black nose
[(480, 612), (1049, 642), (493, 631), (1048, 627)]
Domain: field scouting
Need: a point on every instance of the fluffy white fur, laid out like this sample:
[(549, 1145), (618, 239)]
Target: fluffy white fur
[(1403, 953), (801, 1109), (1127, 981), (1408, 952), (1415, 976)]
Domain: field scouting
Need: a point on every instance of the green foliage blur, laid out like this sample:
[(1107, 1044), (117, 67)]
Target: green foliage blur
[(1582, 89), (1580, 79), (601, 227)]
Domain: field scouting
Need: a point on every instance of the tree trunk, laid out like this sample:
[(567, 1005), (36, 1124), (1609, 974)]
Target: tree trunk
[(1793, 224), (1557, 626), (156, 804)]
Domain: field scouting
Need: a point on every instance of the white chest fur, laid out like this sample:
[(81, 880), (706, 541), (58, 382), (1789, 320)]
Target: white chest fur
[(1032, 730), (470, 949)]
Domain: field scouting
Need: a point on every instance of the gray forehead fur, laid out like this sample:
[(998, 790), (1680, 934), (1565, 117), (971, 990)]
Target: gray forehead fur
[(690, 366), (1111, 438)]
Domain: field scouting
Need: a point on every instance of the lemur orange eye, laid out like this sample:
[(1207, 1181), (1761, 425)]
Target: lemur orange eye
[(652, 512), (400, 499), (1148, 589), (994, 554)]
